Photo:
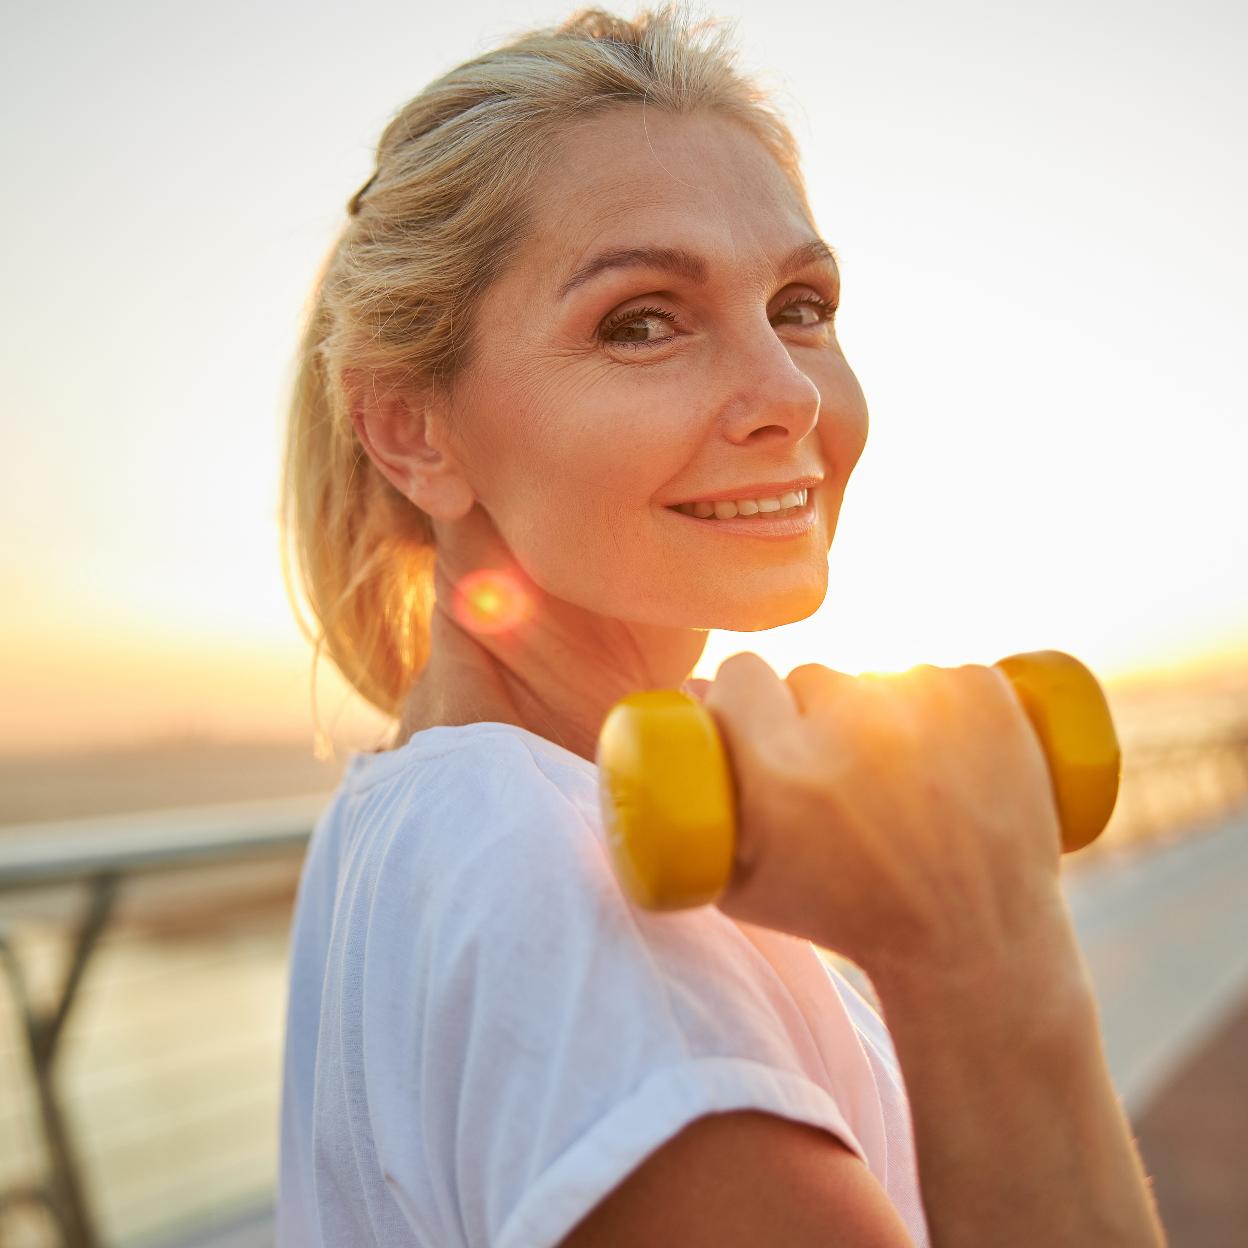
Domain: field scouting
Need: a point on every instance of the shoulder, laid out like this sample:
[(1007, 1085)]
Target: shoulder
[(462, 798), (548, 1033), (478, 856), (486, 861), (507, 817)]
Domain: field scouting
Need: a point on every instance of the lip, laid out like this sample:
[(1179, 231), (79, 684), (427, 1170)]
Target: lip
[(763, 489), (795, 525)]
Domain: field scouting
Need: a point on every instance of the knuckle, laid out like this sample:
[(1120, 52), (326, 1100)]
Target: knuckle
[(981, 681), (996, 683), (921, 690), (925, 678), (743, 662), (983, 673), (813, 684), (809, 672), (993, 694)]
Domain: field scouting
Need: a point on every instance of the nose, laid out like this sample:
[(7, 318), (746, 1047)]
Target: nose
[(768, 397)]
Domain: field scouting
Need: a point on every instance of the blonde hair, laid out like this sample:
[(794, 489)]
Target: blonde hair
[(431, 229)]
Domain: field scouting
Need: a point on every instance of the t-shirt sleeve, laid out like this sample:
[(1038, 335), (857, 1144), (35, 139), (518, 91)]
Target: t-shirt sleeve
[(560, 1035)]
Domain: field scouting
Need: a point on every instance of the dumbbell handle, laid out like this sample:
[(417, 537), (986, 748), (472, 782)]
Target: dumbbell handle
[(667, 793)]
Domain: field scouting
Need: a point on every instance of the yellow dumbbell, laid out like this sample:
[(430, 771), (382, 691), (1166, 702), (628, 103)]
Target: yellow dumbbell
[(667, 792)]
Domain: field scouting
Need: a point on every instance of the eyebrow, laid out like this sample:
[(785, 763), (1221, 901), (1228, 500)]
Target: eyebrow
[(685, 263)]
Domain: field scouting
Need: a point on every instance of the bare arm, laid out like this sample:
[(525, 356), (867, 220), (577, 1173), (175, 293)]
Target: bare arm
[(746, 1180), (1020, 1135)]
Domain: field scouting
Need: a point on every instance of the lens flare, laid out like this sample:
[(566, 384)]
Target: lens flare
[(491, 601)]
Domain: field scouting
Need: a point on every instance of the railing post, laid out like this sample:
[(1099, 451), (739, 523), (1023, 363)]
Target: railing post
[(62, 1191)]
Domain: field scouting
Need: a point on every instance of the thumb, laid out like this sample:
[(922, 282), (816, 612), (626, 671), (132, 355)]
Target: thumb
[(754, 710), (747, 689), (751, 703)]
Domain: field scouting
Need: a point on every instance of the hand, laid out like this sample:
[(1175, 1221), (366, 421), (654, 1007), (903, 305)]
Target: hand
[(892, 818)]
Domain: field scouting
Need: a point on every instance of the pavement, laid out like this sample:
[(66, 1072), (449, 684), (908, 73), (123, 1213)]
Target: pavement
[(1166, 941), (1165, 937), (1193, 1138)]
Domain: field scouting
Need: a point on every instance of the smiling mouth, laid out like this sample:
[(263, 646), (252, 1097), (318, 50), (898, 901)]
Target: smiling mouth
[(784, 523), (792, 503)]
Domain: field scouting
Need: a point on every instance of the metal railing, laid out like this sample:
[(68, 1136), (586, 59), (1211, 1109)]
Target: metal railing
[(1174, 783), (101, 855)]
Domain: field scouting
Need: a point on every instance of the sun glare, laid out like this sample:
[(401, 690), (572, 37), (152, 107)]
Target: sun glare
[(491, 601)]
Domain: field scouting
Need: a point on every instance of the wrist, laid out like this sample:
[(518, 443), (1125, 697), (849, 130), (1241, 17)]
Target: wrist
[(1029, 984)]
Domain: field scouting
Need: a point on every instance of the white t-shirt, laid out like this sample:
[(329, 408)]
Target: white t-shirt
[(484, 1036)]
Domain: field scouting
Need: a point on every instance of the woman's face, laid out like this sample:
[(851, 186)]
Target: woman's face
[(591, 408)]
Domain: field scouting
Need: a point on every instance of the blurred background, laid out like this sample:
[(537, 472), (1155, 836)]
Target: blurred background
[(1039, 216)]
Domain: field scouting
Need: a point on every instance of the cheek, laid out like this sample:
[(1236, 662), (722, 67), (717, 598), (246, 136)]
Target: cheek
[(595, 548), (586, 525), (582, 494), (540, 442), (843, 423), (609, 451)]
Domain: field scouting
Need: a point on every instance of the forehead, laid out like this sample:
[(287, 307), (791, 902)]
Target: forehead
[(631, 178)]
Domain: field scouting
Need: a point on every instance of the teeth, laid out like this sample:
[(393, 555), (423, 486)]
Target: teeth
[(726, 509)]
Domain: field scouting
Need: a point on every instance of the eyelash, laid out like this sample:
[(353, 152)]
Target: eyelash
[(826, 306)]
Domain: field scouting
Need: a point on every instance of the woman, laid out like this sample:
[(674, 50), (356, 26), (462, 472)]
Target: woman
[(570, 396)]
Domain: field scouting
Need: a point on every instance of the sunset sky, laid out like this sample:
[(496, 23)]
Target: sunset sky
[(1039, 212)]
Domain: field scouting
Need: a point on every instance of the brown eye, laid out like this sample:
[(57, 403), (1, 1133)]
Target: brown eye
[(631, 324), (811, 310)]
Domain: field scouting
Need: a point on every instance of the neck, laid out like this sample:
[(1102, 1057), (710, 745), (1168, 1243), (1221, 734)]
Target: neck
[(556, 672)]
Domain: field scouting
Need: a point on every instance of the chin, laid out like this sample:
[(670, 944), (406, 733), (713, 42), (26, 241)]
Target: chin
[(754, 621), (755, 615)]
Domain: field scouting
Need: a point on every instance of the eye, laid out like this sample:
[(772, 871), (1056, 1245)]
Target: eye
[(825, 310), (629, 322)]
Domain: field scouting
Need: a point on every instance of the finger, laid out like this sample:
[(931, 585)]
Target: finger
[(747, 692), (756, 715), (815, 687)]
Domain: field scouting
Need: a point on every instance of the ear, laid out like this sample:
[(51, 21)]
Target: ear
[(402, 432)]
